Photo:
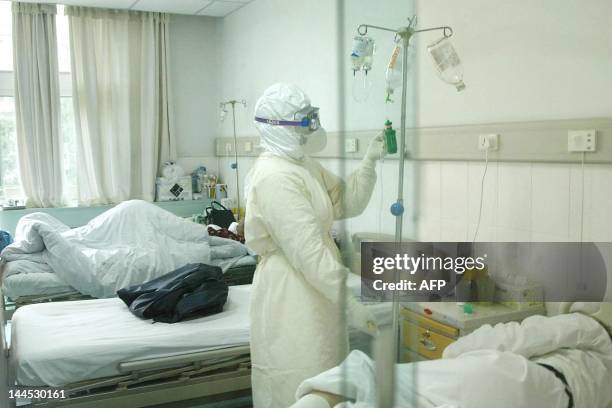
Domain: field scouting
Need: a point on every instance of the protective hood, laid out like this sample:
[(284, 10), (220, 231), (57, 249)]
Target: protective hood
[(281, 102)]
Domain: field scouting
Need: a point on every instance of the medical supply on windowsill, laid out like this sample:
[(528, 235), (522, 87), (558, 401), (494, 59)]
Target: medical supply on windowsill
[(13, 205), (178, 189), (199, 179)]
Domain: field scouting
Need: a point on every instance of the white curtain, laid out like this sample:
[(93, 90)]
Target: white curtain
[(37, 103), (120, 88)]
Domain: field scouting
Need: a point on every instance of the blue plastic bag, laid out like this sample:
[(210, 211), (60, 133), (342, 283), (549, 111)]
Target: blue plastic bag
[(5, 239)]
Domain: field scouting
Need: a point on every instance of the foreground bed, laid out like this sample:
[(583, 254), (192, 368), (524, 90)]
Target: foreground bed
[(100, 353)]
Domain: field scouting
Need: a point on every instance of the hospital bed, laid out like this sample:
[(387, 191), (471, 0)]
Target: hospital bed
[(31, 288), (102, 355), (29, 280)]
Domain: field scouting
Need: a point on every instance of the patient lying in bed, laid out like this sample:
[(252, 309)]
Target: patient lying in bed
[(562, 361)]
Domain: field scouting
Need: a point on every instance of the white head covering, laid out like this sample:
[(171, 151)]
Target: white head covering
[(281, 102)]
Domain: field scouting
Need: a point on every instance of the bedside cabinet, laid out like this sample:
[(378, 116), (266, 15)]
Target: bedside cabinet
[(428, 328)]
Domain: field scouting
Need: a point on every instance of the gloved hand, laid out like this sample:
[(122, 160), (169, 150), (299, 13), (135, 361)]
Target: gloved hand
[(376, 149), (360, 317)]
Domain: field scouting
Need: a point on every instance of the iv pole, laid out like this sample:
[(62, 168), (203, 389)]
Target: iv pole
[(397, 208), (234, 166)]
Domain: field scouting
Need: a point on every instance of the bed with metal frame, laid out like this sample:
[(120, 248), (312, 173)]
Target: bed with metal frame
[(202, 376), (239, 274)]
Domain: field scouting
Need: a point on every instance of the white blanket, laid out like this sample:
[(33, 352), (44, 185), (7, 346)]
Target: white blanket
[(129, 244), (492, 367)]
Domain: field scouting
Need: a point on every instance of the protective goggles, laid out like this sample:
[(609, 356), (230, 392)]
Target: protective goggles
[(307, 119)]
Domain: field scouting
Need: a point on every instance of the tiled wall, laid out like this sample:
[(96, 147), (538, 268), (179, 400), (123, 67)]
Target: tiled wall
[(522, 202)]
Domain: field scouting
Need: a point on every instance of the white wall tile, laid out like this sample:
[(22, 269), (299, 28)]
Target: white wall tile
[(575, 202), (598, 203), (453, 231), (514, 196), (485, 233), (428, 229), (428, 199), (550, 189), (489, 196), (545, 237), (453, 191), (512, 235)]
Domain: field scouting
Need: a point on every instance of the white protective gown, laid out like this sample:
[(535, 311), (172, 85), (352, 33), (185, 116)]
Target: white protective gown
[(298, 326)]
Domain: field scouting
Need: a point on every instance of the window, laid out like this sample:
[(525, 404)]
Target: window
[(66, 109), (9, 173), (6, 42), (10, 187)]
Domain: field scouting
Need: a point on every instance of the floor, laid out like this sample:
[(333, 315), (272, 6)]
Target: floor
[(239, 402)]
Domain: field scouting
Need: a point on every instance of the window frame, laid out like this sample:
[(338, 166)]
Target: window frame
[(7, 89)]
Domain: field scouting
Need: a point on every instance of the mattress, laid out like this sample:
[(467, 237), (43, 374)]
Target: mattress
[(34, 284), (64, 342), (24, 283)]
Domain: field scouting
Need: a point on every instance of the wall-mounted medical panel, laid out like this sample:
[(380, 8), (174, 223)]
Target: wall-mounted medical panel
[(538, 141)]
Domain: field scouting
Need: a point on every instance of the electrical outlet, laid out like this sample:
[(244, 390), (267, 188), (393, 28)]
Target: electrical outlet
[(488, 142), (582, 140), (350, 145)]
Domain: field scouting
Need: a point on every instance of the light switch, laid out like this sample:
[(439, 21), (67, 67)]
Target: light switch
[(248, 147)]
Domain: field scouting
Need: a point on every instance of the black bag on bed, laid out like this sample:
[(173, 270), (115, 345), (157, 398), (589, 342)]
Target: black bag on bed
[(194, 290), (219, 215)]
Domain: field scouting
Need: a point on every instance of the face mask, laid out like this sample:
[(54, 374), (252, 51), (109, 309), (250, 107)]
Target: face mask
[(314, 142)]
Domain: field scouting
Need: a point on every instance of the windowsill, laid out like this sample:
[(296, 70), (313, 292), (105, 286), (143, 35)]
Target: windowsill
[(78, 216), (75, 206)]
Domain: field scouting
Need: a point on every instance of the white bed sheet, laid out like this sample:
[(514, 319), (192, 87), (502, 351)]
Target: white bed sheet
[(105, 333), (34, 284)]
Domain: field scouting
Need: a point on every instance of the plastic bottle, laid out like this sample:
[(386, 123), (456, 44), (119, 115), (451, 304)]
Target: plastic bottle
[(361, 53), (390, 139), (393, 76), (368, 55), (447, 62)]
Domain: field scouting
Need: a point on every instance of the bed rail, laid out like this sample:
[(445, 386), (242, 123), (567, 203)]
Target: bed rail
[(163, 380), (58, 297), (4, 364)]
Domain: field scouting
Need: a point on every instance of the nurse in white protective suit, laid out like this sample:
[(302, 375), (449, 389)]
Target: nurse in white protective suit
[(298, 324)]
